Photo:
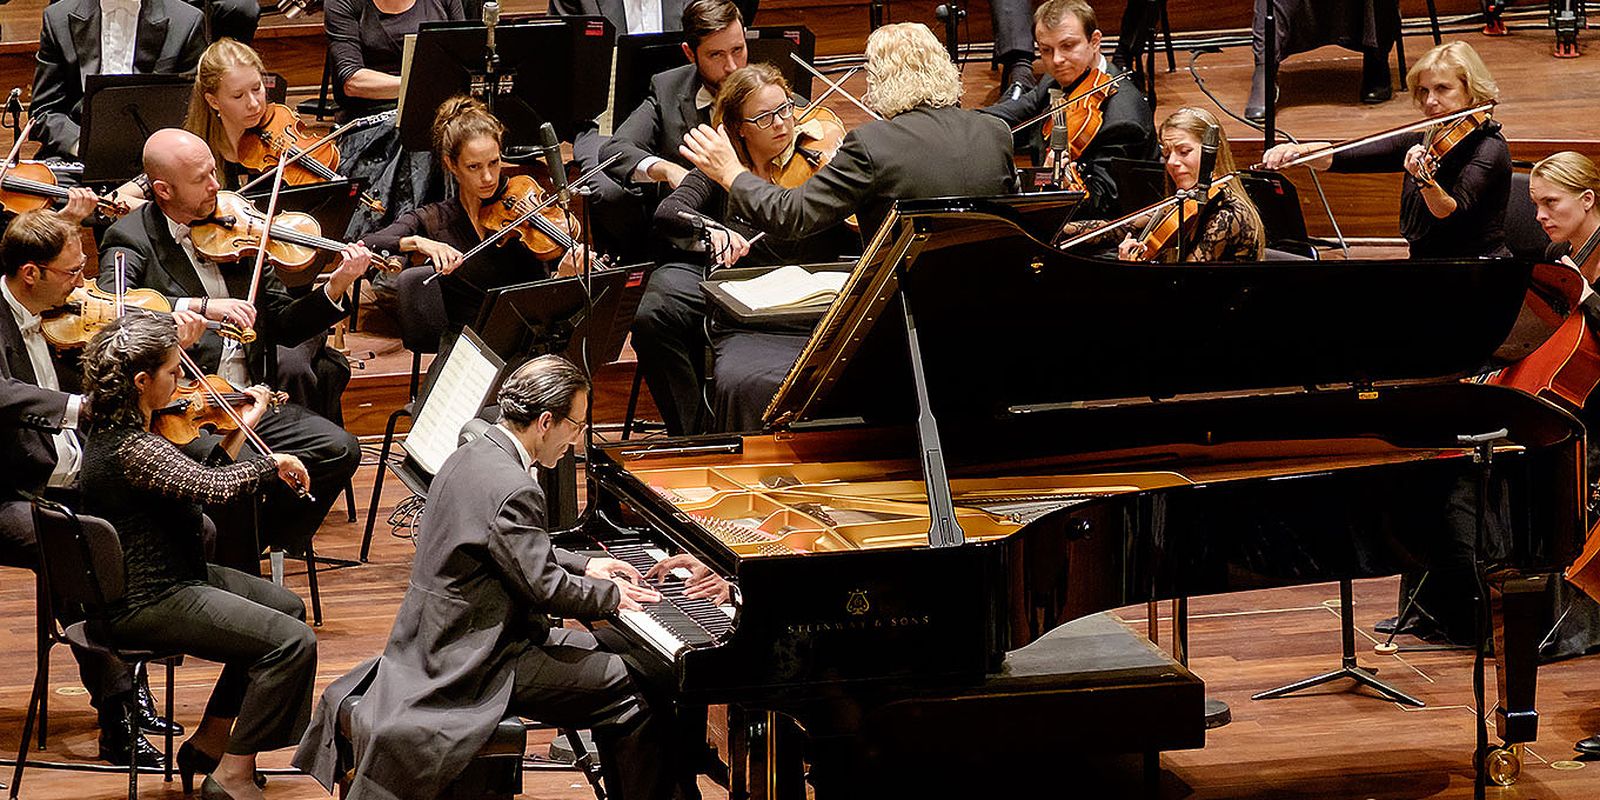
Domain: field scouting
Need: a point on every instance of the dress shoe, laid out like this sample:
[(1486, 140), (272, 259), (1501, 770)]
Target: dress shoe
[(191, 761), (1376, 86), (211, 790), (149, 720), (1017, 80), (117, 751), (1589, 746), (1255, 108)]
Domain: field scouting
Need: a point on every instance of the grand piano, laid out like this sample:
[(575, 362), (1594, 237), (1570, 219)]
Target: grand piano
[(987, 439)]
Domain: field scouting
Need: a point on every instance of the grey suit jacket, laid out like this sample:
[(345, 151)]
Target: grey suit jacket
[(484, 576), (671, 12), (170, 39), (921, 153), (658, 125), (29, 415), (156, 261)]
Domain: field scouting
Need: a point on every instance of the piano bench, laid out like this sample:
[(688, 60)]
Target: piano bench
[(495, 773)]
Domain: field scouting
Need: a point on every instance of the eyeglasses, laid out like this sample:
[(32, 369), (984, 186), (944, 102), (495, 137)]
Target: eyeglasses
[(71, 273), (580, 423), (765, 119)]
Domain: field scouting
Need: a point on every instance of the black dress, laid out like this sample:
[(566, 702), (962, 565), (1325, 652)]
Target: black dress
[(362, 37), (464, 289), (1477, 173), (152, 494)]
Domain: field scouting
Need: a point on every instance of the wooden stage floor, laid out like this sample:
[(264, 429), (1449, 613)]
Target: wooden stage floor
[(1331, 743)]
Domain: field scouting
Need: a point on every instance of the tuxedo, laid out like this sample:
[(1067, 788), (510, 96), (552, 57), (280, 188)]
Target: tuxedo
[(170, 39), (671, 12), (658, 125)]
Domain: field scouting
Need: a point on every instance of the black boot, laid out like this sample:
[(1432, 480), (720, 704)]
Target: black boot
[(149, 721), (1375, 83), (1589, 746), (115, 747)]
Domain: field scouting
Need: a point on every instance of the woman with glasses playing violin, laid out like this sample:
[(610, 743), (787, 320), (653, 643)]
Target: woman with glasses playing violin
[(467, 139), (697, 231), (151, 492), (1454, 195)]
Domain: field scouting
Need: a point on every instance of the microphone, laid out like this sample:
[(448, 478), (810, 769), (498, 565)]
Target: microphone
[(1209, 142), (14, 100), (701, 221), (552, 159), (1058, 146), (491, 18)]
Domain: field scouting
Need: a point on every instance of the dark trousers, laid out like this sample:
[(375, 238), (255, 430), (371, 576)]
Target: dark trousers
[(616, 214), (233, 19), (108, 679), (257, 631), (573, 681), (670, 339), (750, 365), (1013, 30), (331, 455)]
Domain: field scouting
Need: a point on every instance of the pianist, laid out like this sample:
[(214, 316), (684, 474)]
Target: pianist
[(472, 641)]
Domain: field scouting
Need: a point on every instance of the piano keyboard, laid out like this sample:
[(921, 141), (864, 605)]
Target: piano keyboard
[(677, 622)]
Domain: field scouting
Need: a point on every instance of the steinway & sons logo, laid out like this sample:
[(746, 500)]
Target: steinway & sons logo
[(858, 616)]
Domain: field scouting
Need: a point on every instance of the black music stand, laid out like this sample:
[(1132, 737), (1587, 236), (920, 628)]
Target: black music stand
[(330, 203), (119, 114), (549, 70), (641, 56), (556, 316)]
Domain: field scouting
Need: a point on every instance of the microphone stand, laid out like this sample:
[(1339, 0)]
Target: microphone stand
[(491, 58)]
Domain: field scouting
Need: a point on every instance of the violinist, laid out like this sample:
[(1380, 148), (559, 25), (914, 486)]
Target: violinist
[(467, 139), (1227, 227), (151, 492), (40, 416), (161, 256), (1068, 37), (760, 114), (1452, 203)]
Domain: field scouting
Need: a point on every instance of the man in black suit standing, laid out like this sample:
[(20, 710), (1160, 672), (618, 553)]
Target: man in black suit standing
[(40, 449), (1069, 44), (160, 256)]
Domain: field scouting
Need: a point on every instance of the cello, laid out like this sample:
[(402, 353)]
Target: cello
[(1566, 368)]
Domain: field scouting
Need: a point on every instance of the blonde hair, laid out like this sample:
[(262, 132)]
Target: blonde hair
[(728, 111), (1195, 122), (1457, 58), (1052, 13), (222, 56), (908, 67), (1572, 172)]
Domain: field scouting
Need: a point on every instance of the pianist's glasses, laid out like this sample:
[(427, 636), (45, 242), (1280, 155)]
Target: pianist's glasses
[(765, 119)]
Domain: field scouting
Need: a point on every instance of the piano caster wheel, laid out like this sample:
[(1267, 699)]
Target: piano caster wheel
[(1385, 648), (1503, 765)]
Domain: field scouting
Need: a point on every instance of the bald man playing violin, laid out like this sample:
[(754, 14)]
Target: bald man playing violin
[(160, 255), (40, 447)]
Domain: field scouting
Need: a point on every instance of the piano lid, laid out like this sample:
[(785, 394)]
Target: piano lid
[(1008, 324)]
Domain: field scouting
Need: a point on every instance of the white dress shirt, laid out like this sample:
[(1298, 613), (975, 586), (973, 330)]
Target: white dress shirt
[(69, 453), (232, 365), (702, 101), (119, 31), (643, 16)]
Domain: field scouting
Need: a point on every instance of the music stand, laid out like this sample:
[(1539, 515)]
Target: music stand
[(330, 203), (641, 56), (460, 382), (550, 69), (119, 114), (553, 316), (1139, 182)]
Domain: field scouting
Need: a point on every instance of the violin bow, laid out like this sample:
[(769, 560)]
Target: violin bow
[(16, 148), (1043, 115), (266, 230), (530, 214), (218, 400), (1125, 219), (1368, 139), (334, 134), (834, 87)]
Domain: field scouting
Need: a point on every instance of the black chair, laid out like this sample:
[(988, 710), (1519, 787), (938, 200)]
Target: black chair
[(81, 569), (420, 308), (1525, 237), (1278, 202)]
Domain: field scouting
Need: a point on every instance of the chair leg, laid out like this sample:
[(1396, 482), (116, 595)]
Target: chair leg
[(39, 680), (133, 761), (350, 500), (633, 402), (42, 665), (377, 480), (311, 580), (1166, 29)]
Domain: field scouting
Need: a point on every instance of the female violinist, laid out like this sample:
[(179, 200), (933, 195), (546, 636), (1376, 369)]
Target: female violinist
[(1454, 195), (757, 109), (467, 139), (1226, 227), (152, 493)]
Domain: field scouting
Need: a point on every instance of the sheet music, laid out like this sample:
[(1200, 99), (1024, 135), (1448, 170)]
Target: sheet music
[(407, 49), (462, 387), (606, 119)]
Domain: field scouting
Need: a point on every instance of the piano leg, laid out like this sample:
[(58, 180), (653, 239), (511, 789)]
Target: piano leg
[(1516, 605), (777, 770), (738, 753)]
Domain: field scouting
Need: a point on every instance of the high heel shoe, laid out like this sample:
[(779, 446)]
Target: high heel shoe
[(191, 762), (211, 790)]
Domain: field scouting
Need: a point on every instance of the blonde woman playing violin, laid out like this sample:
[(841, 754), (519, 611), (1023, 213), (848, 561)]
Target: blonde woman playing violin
[(1452, 206)]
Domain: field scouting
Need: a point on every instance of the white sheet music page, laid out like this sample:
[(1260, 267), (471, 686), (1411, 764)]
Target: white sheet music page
[(461, 390)]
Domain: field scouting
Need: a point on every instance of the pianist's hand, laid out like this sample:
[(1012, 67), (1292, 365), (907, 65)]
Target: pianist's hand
[(703, 583), (604, 569)]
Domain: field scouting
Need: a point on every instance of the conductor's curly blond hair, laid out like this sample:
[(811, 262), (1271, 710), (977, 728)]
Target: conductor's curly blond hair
[(907, 67)]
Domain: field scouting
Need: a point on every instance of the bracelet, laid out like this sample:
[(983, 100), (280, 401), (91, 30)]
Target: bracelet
[(203, 302)]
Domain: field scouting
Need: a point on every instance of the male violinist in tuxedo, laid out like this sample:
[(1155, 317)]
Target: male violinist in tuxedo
[(41, 451), (118, 37), (1068, 36), (161, 256)]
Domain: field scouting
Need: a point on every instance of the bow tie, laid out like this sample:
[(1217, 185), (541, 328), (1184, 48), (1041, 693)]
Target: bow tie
[(31, 328)]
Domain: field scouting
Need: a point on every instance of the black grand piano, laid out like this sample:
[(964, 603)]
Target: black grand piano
[(988, 441)]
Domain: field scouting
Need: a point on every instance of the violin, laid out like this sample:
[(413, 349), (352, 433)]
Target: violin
[(90, 308), (195, 407), (281, 135), (818, 133), (546, 233), (1441, 139), (233, 232), (1079, 119), (1163, 225), (30, 185)]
